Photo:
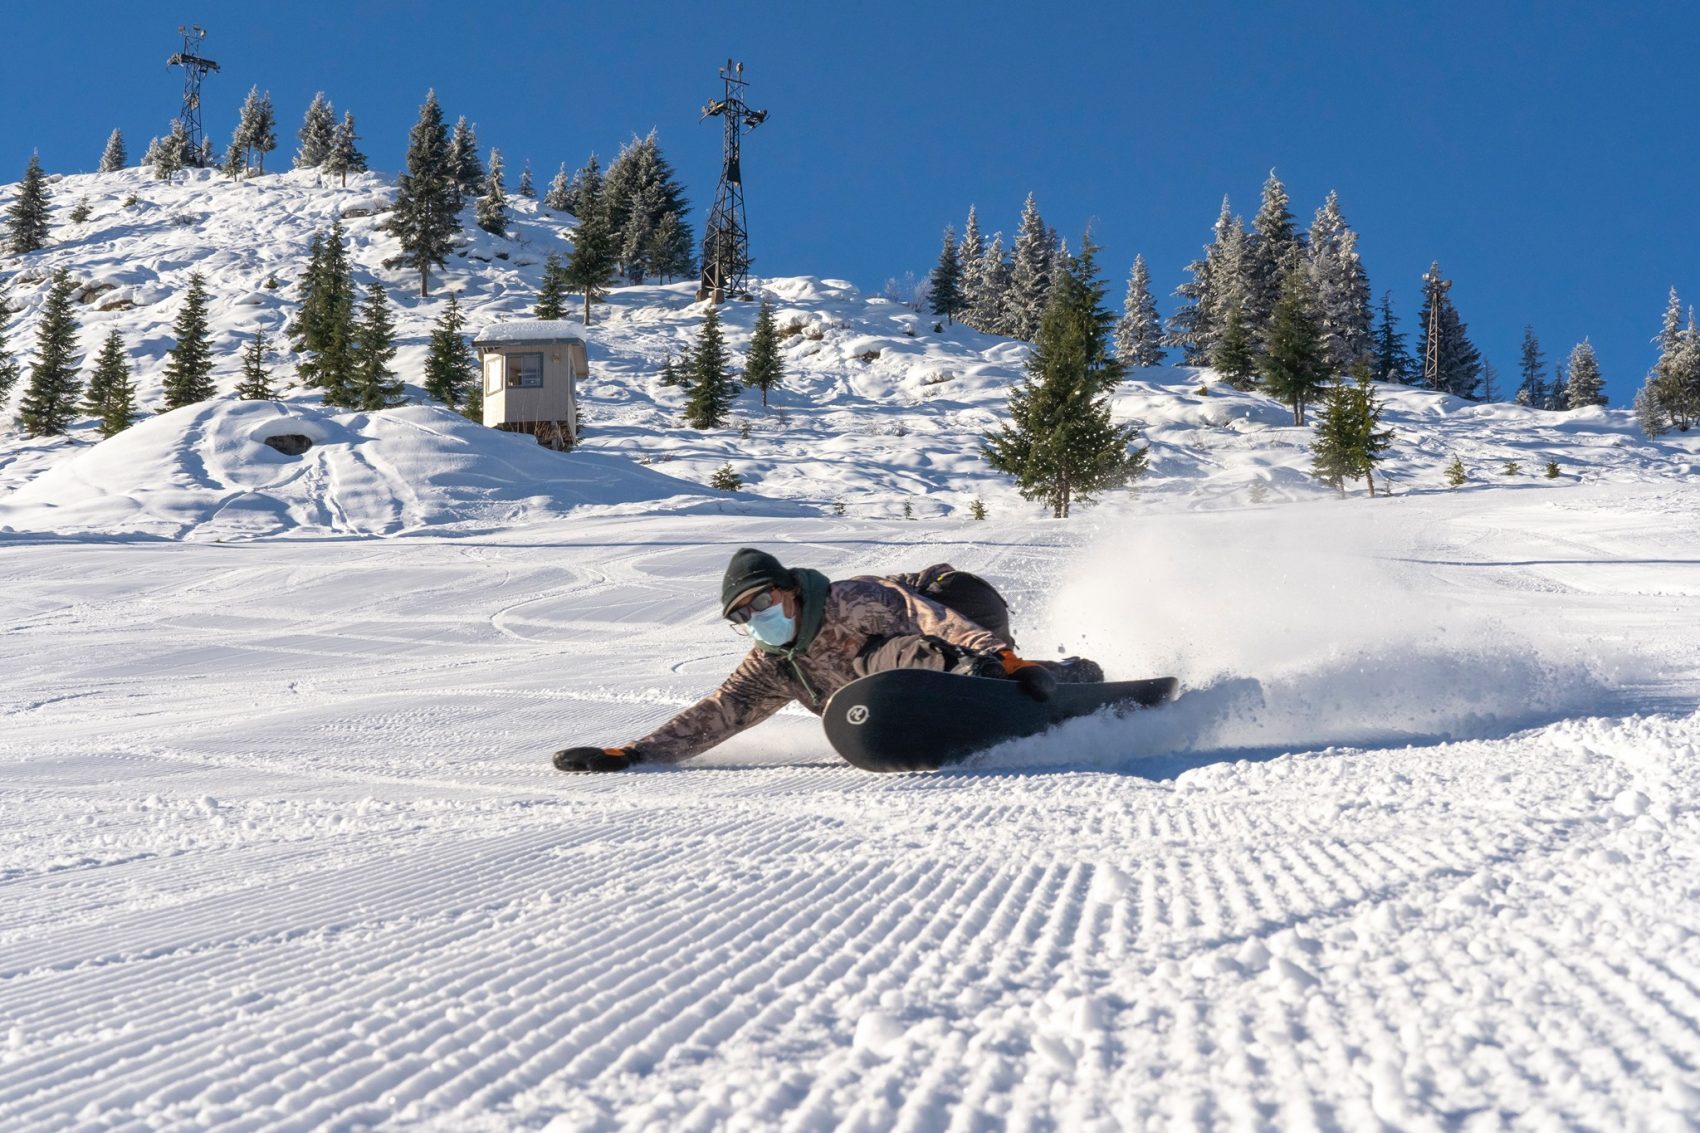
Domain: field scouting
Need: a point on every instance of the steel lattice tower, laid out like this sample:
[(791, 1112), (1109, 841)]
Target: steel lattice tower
[(1437, 290), (726, 238), (195, 68)]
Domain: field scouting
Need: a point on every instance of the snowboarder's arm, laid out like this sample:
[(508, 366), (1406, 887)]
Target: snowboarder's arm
[(750, 695), (900, 612)]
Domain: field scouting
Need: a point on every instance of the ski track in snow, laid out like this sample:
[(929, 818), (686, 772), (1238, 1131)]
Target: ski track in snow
[(282, 849)]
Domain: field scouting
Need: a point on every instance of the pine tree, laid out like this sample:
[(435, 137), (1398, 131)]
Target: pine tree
[(1455, 474), (587, 181), (118, 401), (1061, 445), (27, 218), (1558, 394), (1459, 362), (492, 210), (944, 296), (525, 190), (557, 197), (317, 134), (977, 508), (256, 127), (1670, 396), (1271, 244), (971, 274), (1191, 329), (256, 384), (1532, 390), (590, 268), (427, 206), (344, 157), (992, 291), (1349, 439), (451, 373), (235, 162), (172, 153), (111, 366), (373, 384), (672, 375), (639, 189), (50, 400), (323, 331), (1235, 355), (670, 249), (1392, 361), (1586, 386), (464, 166), (1293, 365), (188, 367), (1029, 274), (763, 368), (552, 294), (9, 371), (1139, 334), (112, 158), (1340, 286), (151, 154), (711, 385)]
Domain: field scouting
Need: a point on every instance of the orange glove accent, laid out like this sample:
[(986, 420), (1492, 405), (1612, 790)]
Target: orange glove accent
[(1011, 663)]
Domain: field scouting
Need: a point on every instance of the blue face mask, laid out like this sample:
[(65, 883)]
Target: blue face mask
[(772, 627)]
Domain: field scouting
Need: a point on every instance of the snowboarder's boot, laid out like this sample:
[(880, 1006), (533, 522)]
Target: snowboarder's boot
[(1075, 671)]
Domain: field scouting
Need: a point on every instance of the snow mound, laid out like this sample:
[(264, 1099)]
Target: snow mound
[(207, 471)]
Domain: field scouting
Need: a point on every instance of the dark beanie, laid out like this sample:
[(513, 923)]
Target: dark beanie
[(748, 570)]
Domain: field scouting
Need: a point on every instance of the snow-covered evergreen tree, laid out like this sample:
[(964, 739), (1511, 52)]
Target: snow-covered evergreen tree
[(590, 268), (374, 385), (465, 168), (639, 189), (1532, 386), (344, 157), (558, 196), (971, 281), (763, 368), (711, 385), (27, 218), (1234, 355), (525, 188), (1341, 287), (1671, 395), (256, 127), (172, 153), (188, 366), (1459, 363), (1139, 333), (112, 158), (944, 296), (1270, 246), (317, 133), (1029, 274), (586, 181), (151, 153), (451, 373), (1392, 360), (1586, 386), (256, 384), (1060, 444), (552, 291), (426, 214), (235, 162), (492, 209), (50, 400), (1293, 362), (991, 312), (671, 252), (323, 330), (1196, 323)]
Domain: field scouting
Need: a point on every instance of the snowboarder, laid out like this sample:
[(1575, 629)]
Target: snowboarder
[(812, 636)]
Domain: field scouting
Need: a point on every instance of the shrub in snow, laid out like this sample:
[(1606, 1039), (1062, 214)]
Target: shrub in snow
[(725, 479)]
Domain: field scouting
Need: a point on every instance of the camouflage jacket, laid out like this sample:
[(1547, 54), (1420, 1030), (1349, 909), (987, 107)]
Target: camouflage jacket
[(860, 633)]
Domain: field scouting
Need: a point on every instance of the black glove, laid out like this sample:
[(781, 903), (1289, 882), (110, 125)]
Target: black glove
[(1036, 681), (596, 759)]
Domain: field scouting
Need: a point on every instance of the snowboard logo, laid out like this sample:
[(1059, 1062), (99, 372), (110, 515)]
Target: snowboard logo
[(858, 714)]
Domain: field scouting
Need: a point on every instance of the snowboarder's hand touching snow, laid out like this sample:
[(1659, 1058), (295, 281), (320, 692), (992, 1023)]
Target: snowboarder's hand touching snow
[(596, 759)]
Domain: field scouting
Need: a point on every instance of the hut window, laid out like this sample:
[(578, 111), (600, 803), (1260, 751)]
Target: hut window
[(525, 370), (493, 374)]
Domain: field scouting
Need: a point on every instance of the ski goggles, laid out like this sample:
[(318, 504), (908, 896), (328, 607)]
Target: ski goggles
[(741, 614)]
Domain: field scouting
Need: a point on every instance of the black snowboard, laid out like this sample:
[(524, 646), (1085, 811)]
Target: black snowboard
[(920, 720)]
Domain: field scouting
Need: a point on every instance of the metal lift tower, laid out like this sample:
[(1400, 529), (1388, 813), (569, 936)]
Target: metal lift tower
[(726, 238), (195, 68)]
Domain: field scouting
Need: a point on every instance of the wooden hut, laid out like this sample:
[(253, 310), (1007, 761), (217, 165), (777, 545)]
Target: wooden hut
[(531, 370)]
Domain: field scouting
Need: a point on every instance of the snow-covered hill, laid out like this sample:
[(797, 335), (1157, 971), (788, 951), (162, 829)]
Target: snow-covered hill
[(879, 409)]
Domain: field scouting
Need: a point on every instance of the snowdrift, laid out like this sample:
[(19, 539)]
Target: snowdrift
[(206, 471)]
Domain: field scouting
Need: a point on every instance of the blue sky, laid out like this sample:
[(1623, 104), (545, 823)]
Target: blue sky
[(1543, 153)]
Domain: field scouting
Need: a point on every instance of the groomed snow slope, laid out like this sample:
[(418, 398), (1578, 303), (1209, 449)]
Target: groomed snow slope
[(1418, 849), (878, 410)]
